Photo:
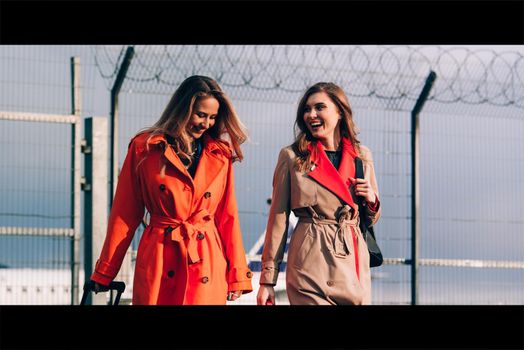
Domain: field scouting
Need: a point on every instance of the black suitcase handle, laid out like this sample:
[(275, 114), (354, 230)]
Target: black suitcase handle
[(115, 285)]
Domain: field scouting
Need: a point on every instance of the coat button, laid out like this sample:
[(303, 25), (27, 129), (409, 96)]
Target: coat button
[(162, 187), (249, 274), (330, 283), (321, 217), (200, 236), (205, 279), (168, 229), (170, 273), (207, 194)]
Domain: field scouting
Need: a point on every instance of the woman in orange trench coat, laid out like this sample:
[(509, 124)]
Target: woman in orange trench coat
[(181, 171)]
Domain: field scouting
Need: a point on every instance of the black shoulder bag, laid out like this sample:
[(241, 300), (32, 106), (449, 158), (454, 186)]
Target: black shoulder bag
[(375, 255)]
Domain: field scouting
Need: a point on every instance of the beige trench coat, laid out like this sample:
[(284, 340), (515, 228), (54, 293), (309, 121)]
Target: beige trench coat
[(328, 260)]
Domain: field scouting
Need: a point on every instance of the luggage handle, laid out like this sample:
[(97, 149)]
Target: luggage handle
[(115, 285)]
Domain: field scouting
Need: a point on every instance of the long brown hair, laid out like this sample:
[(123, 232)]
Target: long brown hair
[(303, 136), (177, 114)]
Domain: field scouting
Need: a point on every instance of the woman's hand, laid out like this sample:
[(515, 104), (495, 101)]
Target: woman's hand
[(234, 295), (266, 295), (363, 188), (100, 288)]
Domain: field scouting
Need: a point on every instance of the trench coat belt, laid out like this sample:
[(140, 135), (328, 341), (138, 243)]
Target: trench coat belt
[(186, 229), (345, 228)]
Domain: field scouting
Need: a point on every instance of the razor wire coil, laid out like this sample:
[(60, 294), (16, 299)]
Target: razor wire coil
[(479, 76)]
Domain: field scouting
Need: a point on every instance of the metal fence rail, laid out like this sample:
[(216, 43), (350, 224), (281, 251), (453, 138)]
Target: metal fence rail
[(492, 264), (42, 118), (37, 231)]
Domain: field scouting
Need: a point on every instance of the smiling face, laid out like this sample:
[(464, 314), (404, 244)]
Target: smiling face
[(203, 116), (321, 116)]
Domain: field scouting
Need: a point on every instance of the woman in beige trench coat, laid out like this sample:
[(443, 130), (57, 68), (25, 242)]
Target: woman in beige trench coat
[(328, 260)]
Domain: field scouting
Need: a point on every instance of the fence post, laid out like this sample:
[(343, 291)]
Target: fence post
[(125, 270), (415, 183), (75, 179), (95, 196), (115, 91)]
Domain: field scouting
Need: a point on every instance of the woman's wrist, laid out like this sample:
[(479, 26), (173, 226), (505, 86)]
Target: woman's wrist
[(373, 206)]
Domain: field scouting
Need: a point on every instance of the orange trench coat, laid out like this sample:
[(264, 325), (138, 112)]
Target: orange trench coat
[(191, 252)]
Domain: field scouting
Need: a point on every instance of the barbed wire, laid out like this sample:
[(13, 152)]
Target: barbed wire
[(470, 76)]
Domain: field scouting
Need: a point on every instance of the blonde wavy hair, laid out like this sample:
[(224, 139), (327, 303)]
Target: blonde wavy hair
[(177, 114)]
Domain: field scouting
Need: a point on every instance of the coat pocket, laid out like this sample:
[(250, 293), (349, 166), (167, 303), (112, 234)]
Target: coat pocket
[(218, 240), (144, 244), (300, 247)]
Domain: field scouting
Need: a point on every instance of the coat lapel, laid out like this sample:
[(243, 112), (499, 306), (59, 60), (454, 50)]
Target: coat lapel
[(209, 166), (171, 156), (325, 173)]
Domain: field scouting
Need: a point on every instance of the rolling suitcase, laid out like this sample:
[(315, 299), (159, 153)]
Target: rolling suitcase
[(117, 286)]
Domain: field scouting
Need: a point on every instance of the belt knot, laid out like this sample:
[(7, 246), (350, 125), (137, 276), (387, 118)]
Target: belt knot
[(343, 234), (186, 229)]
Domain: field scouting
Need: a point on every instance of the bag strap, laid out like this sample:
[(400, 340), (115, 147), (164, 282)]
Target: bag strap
[(359, 174)]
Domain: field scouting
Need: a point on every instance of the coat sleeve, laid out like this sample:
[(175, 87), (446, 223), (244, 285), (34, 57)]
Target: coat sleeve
[(278, 221), (126, 213), (372, 211), (228, 224)]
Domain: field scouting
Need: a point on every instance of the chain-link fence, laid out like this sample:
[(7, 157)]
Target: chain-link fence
[(470, 153), (40, 195), (471, 134)]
